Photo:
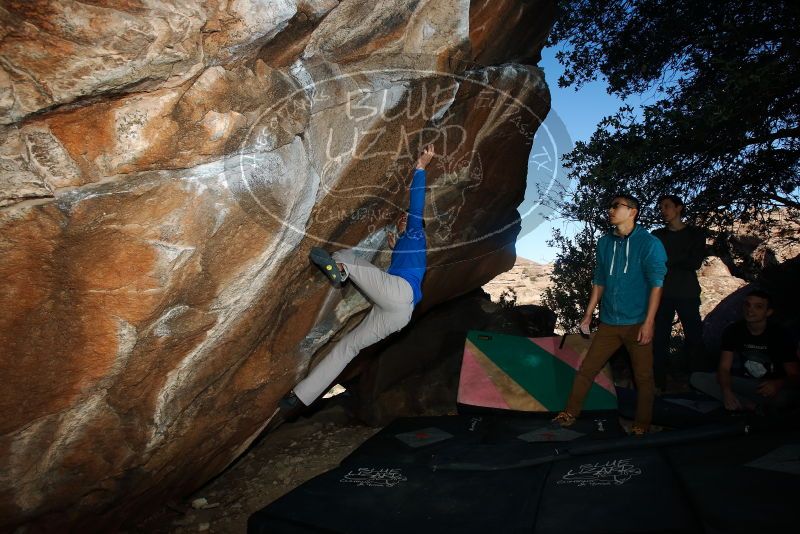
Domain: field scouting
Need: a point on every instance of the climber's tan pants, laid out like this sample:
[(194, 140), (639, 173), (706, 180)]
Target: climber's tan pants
[(393, 303), (605, 343)]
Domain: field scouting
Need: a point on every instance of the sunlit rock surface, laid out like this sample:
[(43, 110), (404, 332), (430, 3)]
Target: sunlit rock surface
[(165, 168), (523, 284)]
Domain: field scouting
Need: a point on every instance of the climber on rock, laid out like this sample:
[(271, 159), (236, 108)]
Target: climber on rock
[(393, 294)]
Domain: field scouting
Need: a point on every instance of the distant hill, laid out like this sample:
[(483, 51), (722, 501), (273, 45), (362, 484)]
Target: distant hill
[(528, 280)]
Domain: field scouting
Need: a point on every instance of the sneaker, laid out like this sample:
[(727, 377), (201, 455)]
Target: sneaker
[(638, 430), (564, 419)]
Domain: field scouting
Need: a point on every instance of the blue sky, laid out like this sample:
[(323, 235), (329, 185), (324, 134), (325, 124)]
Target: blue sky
[(580, 113)]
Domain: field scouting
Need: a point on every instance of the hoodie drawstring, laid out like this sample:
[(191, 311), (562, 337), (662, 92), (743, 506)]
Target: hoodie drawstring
[(627, 254), (614, 255)]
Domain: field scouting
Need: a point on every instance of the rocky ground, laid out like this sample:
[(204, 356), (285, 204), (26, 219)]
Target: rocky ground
[(274, 466)]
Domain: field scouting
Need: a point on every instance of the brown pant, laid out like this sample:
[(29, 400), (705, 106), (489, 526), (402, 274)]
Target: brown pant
[(605, 343)]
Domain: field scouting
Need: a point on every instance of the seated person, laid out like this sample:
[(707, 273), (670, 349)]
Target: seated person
[(758, 368)]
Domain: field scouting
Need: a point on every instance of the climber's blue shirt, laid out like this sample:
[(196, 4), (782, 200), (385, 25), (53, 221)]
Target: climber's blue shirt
[(409, 256)]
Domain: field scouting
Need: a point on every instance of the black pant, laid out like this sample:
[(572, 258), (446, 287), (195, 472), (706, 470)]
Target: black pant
[(688, 310)]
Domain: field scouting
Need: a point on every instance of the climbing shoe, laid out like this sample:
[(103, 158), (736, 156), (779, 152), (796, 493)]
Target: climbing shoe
[(327, 265), (289, 408)]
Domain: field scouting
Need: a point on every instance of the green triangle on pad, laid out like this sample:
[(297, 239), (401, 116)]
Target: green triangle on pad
[(539, 372)]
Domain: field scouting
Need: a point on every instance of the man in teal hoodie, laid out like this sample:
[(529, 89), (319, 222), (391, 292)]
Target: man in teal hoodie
[(394, 294), (628, 280)]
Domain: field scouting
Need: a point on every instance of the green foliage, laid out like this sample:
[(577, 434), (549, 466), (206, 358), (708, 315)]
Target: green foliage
[(508, 297), (723, 131), (571, 278)]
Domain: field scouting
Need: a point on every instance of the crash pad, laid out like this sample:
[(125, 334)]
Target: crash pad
[(507, 372), (513, 472), (742, 484), (677, 410)]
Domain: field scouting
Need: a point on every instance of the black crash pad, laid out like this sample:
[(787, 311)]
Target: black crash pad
[(388, 484), (677, 410), (623, 491), (743, 484), (396, 498), (485, 474)]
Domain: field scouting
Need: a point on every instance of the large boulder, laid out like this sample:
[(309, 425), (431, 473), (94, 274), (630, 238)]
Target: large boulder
[(165, 168)]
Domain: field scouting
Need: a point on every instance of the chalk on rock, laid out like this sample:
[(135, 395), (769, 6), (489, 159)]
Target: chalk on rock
[(200, 503)]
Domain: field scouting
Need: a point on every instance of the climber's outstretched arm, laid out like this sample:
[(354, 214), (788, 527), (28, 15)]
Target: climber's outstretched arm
[(416, 206)]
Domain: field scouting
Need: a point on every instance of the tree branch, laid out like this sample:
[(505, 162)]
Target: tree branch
[(789, 203), (779, 134)]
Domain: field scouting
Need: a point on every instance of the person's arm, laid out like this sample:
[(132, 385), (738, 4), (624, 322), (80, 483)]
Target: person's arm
[(771, 386), (416, 206), (594, 299), (655, 268), (792, 370), (646, 330), (724, 379), (697, 250), (791, 366), (402, 222), (598, 286)]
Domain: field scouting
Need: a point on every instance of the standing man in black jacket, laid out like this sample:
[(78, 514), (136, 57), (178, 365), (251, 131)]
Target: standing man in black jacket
[(685, 246)]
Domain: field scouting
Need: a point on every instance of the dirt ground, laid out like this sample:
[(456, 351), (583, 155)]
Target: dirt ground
[(278, 463)]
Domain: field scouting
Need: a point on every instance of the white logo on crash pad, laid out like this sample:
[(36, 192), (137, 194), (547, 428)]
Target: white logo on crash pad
[(611, 473), (377, 478)]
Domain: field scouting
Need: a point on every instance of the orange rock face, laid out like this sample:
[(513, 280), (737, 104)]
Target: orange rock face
[(165, 167)]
